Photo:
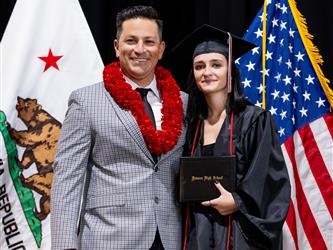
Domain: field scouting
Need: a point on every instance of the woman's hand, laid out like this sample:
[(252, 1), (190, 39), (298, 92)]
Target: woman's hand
[(224, 204)]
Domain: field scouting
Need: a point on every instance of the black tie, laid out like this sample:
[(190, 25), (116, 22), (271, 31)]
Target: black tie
[(143, 92), (148, 109)]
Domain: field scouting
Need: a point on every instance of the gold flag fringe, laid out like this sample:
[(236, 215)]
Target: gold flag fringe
[(312, 51)]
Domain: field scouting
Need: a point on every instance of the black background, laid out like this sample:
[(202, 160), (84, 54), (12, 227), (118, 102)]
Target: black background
[(181, 17)]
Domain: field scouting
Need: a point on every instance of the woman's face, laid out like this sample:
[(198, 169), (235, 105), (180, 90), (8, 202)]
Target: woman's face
[(210, 72)]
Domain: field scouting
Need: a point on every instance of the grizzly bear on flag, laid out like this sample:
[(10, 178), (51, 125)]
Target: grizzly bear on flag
[(40, 143)]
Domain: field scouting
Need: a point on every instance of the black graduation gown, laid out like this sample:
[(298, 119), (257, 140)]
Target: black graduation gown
[(263, 190)]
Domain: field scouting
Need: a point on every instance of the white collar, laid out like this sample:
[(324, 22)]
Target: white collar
[(152, 85)]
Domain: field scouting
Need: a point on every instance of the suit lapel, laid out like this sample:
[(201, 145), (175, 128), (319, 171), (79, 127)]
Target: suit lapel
[(130, 124)]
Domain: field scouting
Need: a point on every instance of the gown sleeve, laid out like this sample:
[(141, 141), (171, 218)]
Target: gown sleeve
[(263, 188)]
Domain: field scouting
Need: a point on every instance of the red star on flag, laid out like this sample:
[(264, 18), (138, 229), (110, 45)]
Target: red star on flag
[(50, 60)]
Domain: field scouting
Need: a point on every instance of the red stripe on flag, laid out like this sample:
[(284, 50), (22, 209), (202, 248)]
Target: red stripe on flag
[(310, 226), (291, 222), (329, 122), (317, 165)]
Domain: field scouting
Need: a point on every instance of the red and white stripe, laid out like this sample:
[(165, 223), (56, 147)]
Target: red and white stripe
[(309, 158)]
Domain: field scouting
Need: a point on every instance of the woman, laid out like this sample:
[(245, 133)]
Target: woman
[(251, 217)]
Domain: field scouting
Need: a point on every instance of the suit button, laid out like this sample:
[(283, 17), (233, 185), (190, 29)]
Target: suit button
[(156, 168), (156, 199)]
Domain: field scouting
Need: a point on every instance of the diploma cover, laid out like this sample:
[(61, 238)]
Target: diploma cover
[(197, 176)]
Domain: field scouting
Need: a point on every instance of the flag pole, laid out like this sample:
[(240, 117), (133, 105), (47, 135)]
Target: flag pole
[(264, 56)]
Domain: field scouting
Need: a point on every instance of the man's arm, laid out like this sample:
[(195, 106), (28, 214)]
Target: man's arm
[(69, 171)]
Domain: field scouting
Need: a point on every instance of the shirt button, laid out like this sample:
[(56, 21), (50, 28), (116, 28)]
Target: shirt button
[(156, 199)]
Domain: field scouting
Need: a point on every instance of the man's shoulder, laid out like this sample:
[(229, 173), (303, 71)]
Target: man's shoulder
[(90, 88), (87, 92), (183, 94), (184, 97)]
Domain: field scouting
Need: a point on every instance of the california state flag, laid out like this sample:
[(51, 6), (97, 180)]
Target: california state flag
[(46, 52)]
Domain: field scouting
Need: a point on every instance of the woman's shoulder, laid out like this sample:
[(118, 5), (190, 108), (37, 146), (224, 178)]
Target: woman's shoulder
[(252, 112), (251, 115)]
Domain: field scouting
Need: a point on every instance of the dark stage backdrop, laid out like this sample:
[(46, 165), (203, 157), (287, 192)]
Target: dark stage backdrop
[(180, 17)]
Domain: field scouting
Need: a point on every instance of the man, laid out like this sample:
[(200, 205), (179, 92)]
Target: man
[(111, 154)]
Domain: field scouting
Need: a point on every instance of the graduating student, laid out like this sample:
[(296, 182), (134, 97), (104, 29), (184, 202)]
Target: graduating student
[(221, 123)]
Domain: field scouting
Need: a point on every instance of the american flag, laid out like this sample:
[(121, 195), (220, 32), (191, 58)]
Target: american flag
[(294, 94)]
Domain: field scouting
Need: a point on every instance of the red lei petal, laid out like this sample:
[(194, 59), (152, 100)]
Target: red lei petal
[(158, 141)]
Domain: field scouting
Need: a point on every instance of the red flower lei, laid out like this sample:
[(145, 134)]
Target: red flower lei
[(158, 141)]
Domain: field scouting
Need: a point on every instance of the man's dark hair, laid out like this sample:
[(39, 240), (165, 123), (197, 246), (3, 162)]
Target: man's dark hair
[(138, 11)]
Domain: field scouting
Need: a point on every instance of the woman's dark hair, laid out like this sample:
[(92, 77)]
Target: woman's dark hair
[(197, 105), (138, 11)]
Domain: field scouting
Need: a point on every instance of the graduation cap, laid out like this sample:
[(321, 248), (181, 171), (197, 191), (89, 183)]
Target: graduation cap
[(208, 39)]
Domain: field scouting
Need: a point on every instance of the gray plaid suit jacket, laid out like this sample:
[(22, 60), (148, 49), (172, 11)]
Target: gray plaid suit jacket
[(102, 157)]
